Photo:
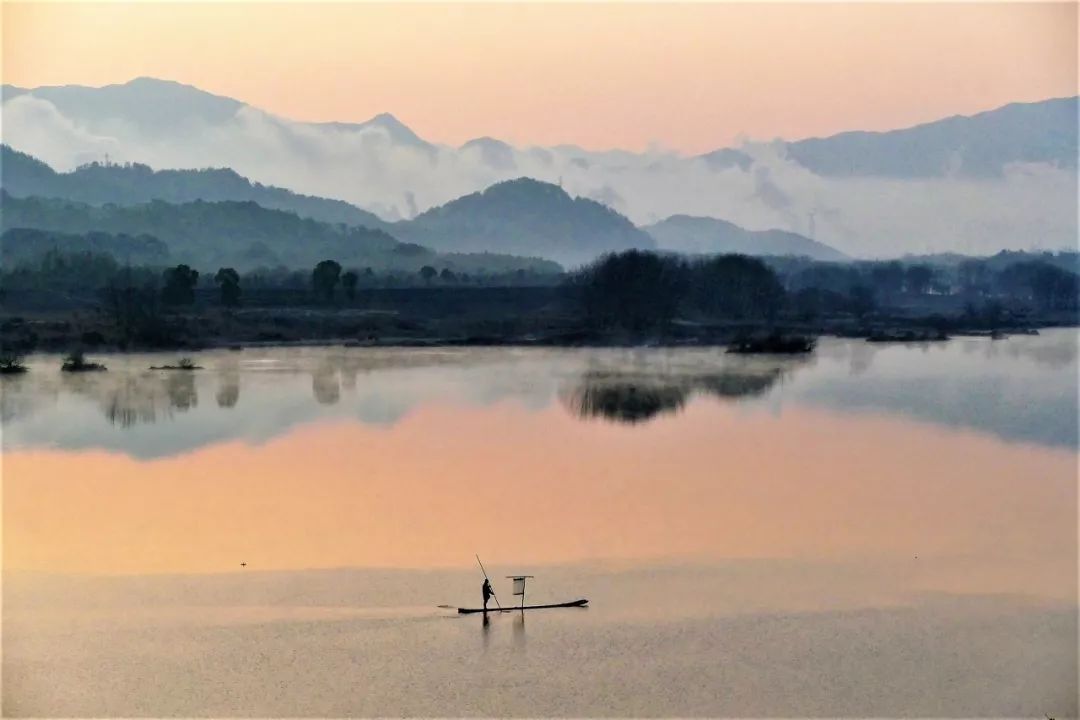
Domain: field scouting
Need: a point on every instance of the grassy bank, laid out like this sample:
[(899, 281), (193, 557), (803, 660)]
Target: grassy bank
[(459, 316)]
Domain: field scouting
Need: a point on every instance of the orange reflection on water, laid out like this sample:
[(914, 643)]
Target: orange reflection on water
[(524, 487)]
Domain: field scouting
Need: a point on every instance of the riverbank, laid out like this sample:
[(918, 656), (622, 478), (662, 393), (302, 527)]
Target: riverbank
[(271, 328), (429, 317)]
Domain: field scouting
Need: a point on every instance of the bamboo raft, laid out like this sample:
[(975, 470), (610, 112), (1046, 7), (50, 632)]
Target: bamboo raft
[(573, 603)]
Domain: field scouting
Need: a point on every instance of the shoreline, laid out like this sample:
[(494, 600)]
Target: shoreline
[(558, 341)]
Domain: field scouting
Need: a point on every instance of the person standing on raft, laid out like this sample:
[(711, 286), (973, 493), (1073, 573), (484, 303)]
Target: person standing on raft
[(487, 591)]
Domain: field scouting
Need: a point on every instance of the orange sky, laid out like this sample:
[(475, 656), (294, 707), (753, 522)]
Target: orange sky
[(689, 77)]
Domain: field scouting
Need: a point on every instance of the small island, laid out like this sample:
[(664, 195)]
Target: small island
[(773, 344), (11, 364), (185, 363), (77, 362)]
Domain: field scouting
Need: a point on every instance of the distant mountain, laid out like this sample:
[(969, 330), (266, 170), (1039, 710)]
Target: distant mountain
[(244, 235), (397, 131), (1004, 178), (979, 145), (97, 184), (1066, 260), (152, 107), (683, 233), (525, 216), (726, 158)]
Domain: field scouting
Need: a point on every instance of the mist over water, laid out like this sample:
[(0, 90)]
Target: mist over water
[(1021, 389)]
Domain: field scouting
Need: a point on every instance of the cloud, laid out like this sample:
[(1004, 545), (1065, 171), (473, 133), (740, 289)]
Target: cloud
[(36, 127)]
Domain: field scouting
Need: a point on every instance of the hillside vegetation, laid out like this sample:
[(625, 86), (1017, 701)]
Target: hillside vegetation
[(245, 235)]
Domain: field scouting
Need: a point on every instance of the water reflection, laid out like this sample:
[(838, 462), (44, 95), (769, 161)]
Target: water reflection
[(519, 633), (1021, 388), (181, 389), (628, 400), (834, 513), (325, 384), (127, 400), (713, 482), (862, 357), (633, 397), (228, 392)]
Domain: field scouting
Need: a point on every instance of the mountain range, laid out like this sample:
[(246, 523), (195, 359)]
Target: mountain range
[(700, 235), (1004, 178), (218, 217), (243, 235), (978, 146), (525, 216), (133, 184)]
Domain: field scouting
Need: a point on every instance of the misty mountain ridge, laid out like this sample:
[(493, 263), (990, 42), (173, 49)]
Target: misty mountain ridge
[(1000, 178), (702, 235), (525, 215), (538, 218), (980, 145), (19, 246), (395, 130), (153, 106), (246, 236), (134, 184), (480, 222)]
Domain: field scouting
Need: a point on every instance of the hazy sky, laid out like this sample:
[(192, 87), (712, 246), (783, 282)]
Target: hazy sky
[(688, 77)]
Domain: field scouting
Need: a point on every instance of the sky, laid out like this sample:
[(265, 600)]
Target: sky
[(685, 77)]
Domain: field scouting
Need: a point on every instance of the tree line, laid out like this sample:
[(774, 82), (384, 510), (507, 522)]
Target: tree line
[(634, 290), (1046, 281), (638, 290)]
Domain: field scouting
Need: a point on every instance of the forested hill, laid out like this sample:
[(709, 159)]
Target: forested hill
[(525, 216), (683, 233), (133, 184), (22, 246), (245, 236)]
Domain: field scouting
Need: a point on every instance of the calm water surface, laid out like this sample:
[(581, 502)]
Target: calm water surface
[(872, 531)]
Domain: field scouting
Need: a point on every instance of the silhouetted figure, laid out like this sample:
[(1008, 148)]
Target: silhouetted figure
[(487, 591)]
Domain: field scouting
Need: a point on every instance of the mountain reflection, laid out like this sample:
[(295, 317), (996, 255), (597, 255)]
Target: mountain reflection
[(634, 397)]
